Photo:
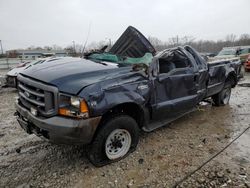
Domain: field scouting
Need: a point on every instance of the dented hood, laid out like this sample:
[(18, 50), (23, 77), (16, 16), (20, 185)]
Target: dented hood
[(132, 43), (72, 76)]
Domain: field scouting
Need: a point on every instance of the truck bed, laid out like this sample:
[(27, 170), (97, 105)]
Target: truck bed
[(217, 71)]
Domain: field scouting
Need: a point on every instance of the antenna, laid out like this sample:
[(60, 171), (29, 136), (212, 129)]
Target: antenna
[(86, 40)]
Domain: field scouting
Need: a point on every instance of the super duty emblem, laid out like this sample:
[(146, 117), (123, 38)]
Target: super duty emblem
[(141, 87)]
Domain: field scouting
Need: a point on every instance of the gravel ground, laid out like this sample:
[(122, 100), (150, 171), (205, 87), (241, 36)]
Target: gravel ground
[(163, 157)]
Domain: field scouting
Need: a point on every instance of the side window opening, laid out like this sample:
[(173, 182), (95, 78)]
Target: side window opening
[(166, 66), (172, 60)]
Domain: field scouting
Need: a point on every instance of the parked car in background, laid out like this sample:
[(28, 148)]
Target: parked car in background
[(2, 81), (231, 52), (11, 76), (247, 64), (227, 52), (244, 53)]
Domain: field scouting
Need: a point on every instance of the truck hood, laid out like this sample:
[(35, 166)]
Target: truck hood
[(71, 76), (132, 43)]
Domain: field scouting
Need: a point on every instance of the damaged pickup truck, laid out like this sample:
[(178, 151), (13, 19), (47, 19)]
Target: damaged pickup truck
[(103, 100)]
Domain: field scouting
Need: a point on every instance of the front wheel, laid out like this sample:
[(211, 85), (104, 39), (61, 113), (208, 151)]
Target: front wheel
[(117, 137), (222, 98)]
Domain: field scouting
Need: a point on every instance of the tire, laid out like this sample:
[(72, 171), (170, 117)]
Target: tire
[(222, 98), (117, 137)]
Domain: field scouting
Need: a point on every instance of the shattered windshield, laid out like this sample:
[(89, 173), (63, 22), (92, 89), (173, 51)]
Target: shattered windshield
[(146, 59)]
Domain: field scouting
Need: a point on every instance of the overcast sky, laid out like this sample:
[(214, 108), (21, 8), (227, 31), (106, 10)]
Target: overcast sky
[(47, 22)]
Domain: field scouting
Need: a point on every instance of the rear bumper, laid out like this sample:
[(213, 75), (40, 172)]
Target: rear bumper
[(58, 129)]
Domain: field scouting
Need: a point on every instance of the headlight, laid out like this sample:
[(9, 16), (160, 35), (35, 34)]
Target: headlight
[(73, 106), (75, 101)]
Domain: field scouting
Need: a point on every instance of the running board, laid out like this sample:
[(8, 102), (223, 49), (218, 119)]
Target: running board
[(155, 125)]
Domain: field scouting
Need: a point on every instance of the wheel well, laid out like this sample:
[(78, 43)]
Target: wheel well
[(231, 79), (131, 109)]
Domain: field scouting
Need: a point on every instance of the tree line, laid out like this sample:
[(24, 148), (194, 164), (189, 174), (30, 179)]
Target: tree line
[(210, 46)]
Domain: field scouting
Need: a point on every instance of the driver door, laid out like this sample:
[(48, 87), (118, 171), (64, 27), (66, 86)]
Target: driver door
[(175, 92)]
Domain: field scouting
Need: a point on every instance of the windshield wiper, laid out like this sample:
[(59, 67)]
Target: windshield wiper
[(100, 62)]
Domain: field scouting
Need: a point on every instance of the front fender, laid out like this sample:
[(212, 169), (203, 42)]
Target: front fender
[(102, 100)]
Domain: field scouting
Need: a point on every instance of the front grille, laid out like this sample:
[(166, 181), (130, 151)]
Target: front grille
[(34, 94)]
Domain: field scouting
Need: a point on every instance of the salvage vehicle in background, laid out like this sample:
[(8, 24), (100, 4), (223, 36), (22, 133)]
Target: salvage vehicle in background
[(104, 104), (241, 52), (244, 53), (247, 64), (227, 52), (11, 76), (2, 81)]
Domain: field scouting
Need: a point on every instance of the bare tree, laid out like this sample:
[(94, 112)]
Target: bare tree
[(231, 38), (47, 48), (187, 40), (96, 45), (200, 45), (56, 47), (244, 39), (174, 41), (155, 41)]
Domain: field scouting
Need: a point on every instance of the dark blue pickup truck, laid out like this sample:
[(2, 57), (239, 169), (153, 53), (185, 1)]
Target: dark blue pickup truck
[(104, 104)]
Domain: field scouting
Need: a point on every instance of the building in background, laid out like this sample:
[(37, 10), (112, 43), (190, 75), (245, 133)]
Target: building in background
[(34, 54)]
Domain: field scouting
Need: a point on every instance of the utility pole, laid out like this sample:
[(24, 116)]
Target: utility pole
[(1, 46)]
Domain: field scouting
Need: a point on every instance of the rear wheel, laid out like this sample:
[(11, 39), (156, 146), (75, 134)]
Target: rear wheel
[(117, 137)]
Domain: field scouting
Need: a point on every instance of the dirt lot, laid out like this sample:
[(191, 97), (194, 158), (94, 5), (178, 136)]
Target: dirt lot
[(162, 159)]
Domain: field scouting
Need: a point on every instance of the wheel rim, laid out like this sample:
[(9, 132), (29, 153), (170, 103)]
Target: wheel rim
[(117, 144), (226, 96)]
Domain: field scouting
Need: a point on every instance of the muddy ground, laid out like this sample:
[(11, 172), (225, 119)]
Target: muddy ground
[(163, 157)]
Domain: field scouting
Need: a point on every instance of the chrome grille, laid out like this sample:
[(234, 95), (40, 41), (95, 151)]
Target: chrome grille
[(34, 94)]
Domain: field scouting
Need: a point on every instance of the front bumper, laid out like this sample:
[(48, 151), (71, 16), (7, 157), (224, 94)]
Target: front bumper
[(58, 129)]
